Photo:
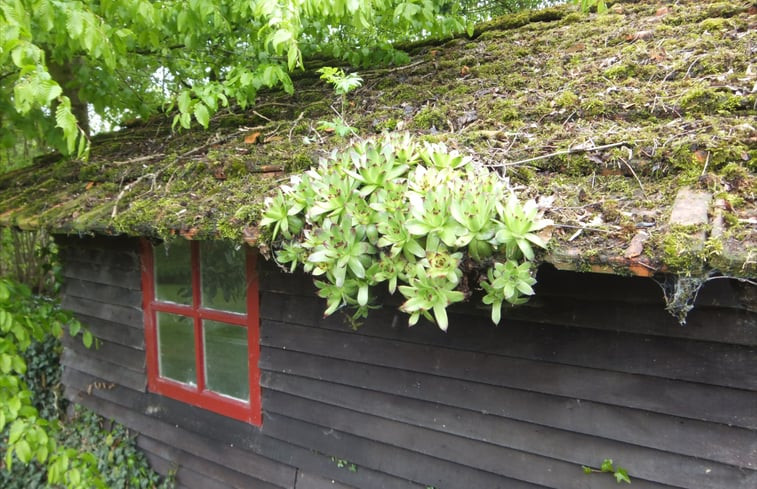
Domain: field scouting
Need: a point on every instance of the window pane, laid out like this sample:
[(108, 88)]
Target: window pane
[(176, 348), (226, 365), (223, 277), (173, 272)]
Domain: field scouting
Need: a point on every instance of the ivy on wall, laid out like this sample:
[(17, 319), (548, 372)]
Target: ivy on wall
[(25, 319), (39, 448)]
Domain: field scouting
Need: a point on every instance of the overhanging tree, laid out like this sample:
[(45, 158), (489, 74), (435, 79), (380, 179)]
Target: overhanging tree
[(59, 59), (130, 58)]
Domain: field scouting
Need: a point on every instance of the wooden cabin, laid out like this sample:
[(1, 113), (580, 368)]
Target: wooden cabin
[(227, 369), (593, 368)]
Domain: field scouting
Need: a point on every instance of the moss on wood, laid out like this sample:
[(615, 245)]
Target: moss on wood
[(674, 85)]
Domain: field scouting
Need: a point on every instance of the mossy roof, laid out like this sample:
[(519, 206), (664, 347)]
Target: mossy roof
[(668, 90)]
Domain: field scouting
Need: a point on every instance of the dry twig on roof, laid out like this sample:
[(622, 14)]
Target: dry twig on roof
[(560, 153), (138, 159)]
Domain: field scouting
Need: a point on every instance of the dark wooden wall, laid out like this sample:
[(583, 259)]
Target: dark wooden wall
[(592, 368)]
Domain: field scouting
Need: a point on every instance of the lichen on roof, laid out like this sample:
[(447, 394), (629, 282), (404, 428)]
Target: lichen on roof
[(609, 115)]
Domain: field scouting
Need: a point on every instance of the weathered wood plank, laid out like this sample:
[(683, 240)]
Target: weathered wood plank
[(272, 279), (696, 361), (121, 243), (327, 400), (220, 434), (106, 371), (115, 253), (129, 316), (185, 476), (451, 361), (596, 288), (309, 481), (602, 287), (467, 322), (373, 452), (713, 441), (121, 356), (121, 334), (186, 461), (109, 294), (650, 468), (679, 398), (162, 466), (731, 326), (129, 277), (243, 439), (172, 430), (727, 293)]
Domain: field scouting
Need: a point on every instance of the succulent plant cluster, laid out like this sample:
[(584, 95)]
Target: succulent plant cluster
[(421, 217)]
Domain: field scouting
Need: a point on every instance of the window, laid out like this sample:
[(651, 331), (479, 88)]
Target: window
[(201, 325)]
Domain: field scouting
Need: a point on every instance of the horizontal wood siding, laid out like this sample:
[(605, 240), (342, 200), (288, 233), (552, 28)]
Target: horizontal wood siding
[(309, 481), (592, 368), (103, 287), (582, 373)]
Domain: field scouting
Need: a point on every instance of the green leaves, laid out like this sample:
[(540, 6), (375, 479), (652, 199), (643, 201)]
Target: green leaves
[(185, 101), (23, 451), (620, 474), (520, 223), (87, 339), (98, 443), (6, 321), (22, 319), (587, 5), (135, 58), (65, 120), (279, 38), (507, 282), (343, 83), (374, 214), (202, 114), (204, 103), (34, 88), (425, 293), (282, 213)]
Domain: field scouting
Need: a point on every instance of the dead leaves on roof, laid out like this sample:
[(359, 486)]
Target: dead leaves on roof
[(662, 11), (257, 137), (636, 246), (639, 36), (253, 138)]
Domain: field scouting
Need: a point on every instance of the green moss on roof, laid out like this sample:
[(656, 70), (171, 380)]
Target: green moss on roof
[(673, 82)]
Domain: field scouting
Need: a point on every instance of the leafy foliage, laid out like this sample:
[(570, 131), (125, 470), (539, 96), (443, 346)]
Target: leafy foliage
[(43, 378), (587, 5), (31, 437), (343, 84), (129, 58), (344, 464), (620, 474), (480, 10), (419, 215), (200, 54), (121, 463), (29, 257), (40, 449)]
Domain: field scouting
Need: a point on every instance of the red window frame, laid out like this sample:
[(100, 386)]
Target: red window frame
[(248, 411)]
